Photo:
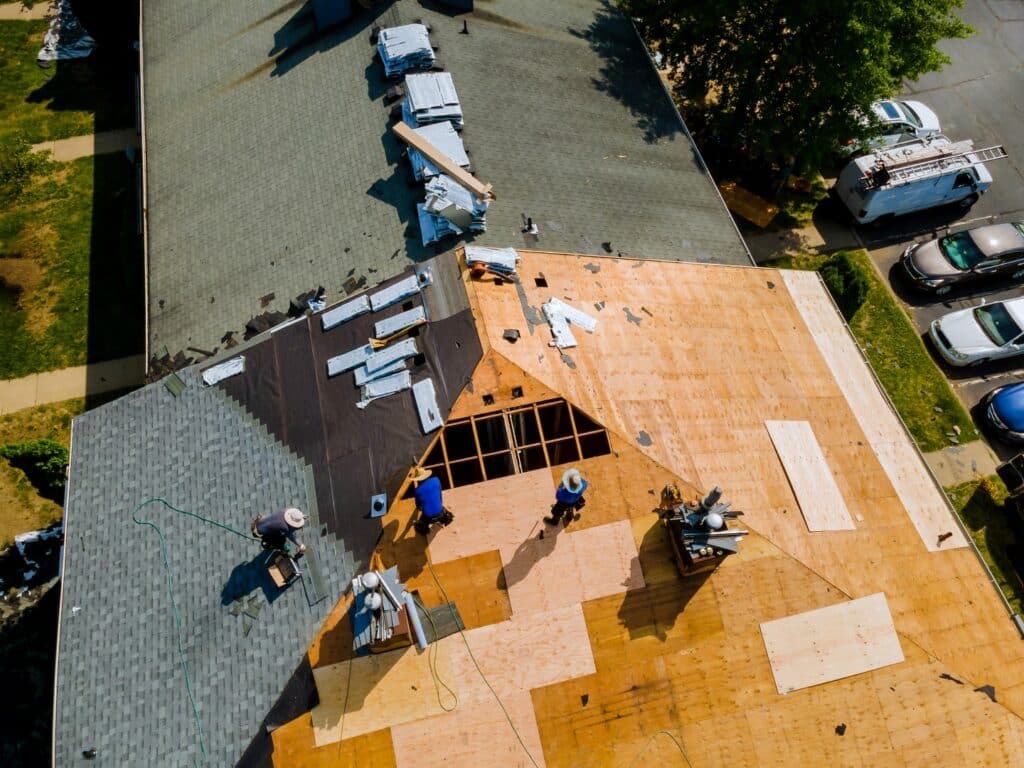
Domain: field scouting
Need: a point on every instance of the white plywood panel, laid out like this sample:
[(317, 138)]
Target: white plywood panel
[(810, 477), (924, 501), (831, 643)]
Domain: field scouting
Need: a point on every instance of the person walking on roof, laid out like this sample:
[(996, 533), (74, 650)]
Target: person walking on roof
[(568, 498), (428, 501), (280, 528)]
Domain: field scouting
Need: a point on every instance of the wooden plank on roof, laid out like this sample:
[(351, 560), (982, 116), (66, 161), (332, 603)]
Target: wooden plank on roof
[(483, 192), (924, 502), (831, 643), (810, 477)]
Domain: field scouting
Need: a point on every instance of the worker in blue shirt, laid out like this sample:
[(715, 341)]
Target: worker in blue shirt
[(428, 501), (568, 498), (276, 530)]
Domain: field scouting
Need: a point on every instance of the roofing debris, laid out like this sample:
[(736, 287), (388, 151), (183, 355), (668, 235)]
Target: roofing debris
[(449, 209), (431, 98), (404, 48), (443, 136), (66, 38), (559, 316), (225, 370), (498, 260)]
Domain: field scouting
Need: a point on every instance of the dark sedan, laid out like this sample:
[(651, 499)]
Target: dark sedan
[(992, 251), (1004, 412)]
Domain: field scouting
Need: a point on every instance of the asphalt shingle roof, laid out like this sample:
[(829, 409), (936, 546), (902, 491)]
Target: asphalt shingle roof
[(271, 168), (120, 685)]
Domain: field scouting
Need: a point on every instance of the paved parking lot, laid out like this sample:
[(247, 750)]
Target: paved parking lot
[(980, 96)]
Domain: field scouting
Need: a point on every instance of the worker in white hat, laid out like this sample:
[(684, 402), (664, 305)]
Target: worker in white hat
[(568, 498), (428, 501), (276, 530)]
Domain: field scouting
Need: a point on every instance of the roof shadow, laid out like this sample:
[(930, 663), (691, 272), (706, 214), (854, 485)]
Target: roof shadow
[(627, 75), (300, 37), (654, 609)]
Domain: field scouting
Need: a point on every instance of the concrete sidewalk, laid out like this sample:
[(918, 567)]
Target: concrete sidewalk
[(821, 237), (56, 386), (962, 463), (107, 142), (18, 12)]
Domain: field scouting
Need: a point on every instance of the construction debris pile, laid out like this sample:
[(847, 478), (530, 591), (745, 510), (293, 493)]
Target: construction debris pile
[(698, 529), (498, 261), (449, 209), (443, 136), (431, 98), (405, 48)]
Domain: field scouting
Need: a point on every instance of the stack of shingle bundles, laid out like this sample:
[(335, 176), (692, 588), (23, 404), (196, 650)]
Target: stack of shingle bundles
[(431, 98), (443, 136), (405, 48), (449, 209), (504, 260)]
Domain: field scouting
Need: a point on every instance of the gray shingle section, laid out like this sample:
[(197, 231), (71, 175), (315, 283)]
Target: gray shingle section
[(275, 175), (120, 685)]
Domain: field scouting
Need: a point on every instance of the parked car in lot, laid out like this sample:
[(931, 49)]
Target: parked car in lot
[(1003, 410), (902, 120), (982, 253), (976, 335)]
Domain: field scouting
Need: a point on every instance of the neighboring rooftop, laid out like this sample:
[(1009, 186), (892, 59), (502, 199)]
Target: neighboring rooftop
[(271, 168), (589, 636)]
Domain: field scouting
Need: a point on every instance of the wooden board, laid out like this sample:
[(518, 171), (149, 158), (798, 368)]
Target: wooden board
[(831, 643), (472, 737), (480, 190), (810, 477), (368, 693), (925, 503), (571, 567)]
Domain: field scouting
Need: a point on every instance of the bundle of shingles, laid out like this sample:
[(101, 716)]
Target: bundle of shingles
[(431, 98), (500, 261), (449, 209), (405, 48), (443, 136)]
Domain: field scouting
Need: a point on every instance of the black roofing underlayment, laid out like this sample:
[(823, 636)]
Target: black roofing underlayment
[(355, 453)]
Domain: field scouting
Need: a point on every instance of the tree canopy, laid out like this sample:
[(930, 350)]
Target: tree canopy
[(788, 78)]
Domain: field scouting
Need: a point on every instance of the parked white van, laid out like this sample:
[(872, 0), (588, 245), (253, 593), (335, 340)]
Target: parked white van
[(915, 175)]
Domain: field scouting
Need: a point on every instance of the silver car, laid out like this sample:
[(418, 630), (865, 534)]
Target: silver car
[(995, 250)]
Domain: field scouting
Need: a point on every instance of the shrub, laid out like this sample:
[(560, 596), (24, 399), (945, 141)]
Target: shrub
[(44, 462), (847, 283)]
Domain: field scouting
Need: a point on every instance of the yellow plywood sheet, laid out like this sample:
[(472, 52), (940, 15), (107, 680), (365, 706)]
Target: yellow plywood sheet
[(472, 737), (809, 475), (369, 693), (924, 502), (831, 643)]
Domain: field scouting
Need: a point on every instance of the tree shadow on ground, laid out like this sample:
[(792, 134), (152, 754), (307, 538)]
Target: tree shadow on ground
[(1002, 528), (627, 74)]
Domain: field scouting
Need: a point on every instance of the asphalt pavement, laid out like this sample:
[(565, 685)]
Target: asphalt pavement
[(980, 96)]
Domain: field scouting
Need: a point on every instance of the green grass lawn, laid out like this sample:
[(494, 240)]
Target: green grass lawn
[(980, 505), (914, 383), (68, 99), (71, 268)]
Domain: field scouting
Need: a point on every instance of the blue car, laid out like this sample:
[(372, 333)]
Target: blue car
[(1004, 411)]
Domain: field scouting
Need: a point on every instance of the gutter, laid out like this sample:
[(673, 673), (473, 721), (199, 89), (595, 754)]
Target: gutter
[(689, 136), (60, 604), (144, 201)]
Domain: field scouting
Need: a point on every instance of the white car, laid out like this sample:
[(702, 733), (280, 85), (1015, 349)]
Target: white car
[(901, 121), (976, 335)]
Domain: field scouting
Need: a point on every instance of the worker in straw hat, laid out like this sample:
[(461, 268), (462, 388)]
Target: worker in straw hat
[(280, 528), (428, 501), (568, 498)]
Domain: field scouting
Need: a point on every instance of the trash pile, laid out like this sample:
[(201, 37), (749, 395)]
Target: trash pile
[(431, 98), (449, 209), (405, 48), (443, 136)]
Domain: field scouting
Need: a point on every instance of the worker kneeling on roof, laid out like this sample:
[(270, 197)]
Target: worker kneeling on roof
[(428, 501), (280, 528)]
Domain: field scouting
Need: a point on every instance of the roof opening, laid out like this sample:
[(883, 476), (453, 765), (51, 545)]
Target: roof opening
[(517, 392), (488, 399), (541, 281)]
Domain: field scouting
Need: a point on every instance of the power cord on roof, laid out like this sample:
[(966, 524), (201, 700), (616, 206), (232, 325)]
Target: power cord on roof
[(655, 735), (174, 602), (477, 665)]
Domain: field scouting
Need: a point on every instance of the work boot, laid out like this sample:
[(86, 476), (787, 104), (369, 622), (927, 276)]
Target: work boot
[(552, 520)]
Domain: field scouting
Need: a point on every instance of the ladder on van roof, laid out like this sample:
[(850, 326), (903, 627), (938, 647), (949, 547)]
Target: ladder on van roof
[(888, 169)]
